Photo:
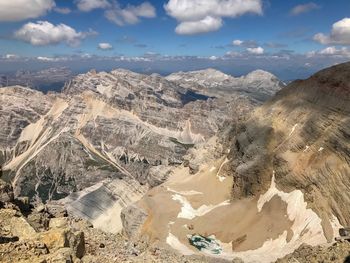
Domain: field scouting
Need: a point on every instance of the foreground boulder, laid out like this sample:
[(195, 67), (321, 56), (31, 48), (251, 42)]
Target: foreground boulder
[(6, 192), (21, 242), (133, 218)]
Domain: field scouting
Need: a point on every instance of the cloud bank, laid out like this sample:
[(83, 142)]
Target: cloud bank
[(105, 46), (17, 10), (256, 50), (198, 16)]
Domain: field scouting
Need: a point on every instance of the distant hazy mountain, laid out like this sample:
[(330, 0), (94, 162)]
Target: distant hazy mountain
[(51, 79), (260, 84)]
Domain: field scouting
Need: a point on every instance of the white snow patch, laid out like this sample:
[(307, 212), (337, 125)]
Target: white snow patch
[(212, 169), (188, 212), (191, 192), (221, 178), (306, 226), (175, 243), (306, 229), (321, 149)]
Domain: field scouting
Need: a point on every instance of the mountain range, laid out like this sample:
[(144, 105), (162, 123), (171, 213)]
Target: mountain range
[(117, 133), (201, 162)]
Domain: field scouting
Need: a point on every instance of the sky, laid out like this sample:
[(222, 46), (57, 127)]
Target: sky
[(291, 39)]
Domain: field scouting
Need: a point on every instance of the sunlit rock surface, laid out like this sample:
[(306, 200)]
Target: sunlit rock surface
[(265, 187), (107, 137)]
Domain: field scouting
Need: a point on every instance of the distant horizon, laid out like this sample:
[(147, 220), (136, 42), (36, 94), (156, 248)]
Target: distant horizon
[(291, 39), (143, 69)]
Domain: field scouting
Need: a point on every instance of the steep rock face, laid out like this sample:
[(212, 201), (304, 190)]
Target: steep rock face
[(19, 107), (302, 135), (111, 197)]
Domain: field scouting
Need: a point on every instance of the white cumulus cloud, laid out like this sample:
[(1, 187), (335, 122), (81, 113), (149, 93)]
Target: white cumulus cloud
[(205, 16), (331, 51), (47, 59), (17, 10), (245, 43), (11, 56), (207, 24), (88, 5), (63, 10), (130, 14), (44, 33), (340, 34), (256, 50), (237, 42), (304, 8), (105, 46)]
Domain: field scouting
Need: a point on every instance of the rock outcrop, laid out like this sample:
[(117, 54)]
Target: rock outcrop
[(6, 192), (132, 218), (21, 242)]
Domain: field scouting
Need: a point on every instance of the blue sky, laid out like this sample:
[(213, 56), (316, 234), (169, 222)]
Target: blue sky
[(154, 35)]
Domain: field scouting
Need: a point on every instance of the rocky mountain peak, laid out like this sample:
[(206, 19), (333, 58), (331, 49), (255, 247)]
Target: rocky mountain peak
[(334, 80), (209, 75), (328, 88), (260, 75)]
